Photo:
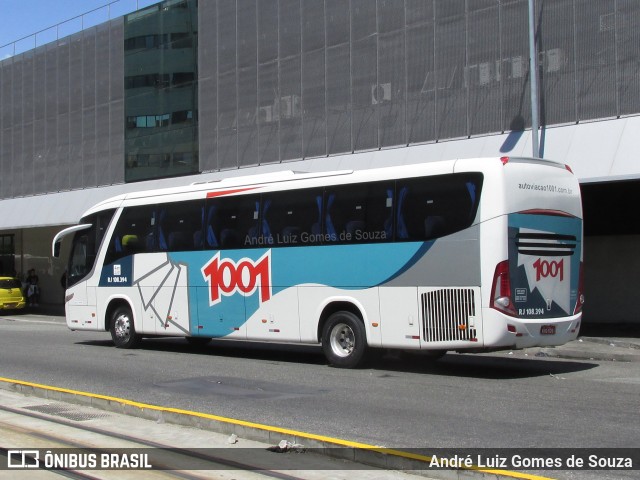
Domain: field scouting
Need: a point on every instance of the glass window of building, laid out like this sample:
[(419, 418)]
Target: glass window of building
[(161, 120)]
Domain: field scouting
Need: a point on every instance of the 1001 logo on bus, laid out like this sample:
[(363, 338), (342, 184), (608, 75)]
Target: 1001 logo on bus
[(226, 277), (545, 269)]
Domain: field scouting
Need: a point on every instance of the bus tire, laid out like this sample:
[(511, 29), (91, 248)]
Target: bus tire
[(344, 340), (122, 329)]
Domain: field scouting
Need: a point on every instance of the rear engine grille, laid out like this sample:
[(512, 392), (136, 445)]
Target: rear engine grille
[(446, 314), (546, 244)]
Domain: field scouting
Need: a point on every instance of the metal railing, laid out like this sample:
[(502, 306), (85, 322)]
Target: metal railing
[(91, 18)]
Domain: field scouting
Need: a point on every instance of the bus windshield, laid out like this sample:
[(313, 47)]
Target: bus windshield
[(85, 246)]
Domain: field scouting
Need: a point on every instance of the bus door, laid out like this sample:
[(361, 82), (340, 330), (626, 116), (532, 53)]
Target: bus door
[(220, 298), (76, 294), (226, 271), (81, 285)]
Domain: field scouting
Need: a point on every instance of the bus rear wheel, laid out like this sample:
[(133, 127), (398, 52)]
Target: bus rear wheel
[(344, 340), (122, 329)]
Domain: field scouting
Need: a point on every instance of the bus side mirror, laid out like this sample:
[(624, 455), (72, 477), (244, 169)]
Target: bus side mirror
[(56, 249)]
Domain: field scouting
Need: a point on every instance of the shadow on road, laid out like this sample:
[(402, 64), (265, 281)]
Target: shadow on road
[(381, 362)]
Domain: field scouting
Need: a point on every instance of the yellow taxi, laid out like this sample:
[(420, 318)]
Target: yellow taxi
[(11, 295)]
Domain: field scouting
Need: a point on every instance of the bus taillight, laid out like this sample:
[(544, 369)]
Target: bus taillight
[(501, 290), (580, 299)]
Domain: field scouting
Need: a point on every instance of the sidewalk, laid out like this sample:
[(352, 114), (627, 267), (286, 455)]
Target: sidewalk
[(27, 420), (45, 309), (599, 341), (593, 348)]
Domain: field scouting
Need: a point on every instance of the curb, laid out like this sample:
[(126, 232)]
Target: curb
[(613, 342), (370, 455), (575, 354), (596, 348)]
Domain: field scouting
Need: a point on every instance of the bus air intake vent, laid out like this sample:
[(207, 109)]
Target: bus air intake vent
[(546, 244), (446, 315)]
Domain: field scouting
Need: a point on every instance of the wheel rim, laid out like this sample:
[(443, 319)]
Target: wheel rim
[(342, 340), (122, 327)]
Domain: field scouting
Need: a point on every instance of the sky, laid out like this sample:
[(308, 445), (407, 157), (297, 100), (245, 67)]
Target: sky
[(21, 18)]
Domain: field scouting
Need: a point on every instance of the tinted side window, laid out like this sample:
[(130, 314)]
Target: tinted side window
[(433, 207), (103, 219), (179, 226), (134, 233), (292, 218), (232, 223), (359, 213)]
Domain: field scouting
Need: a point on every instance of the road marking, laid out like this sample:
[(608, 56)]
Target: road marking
[(31, 320), (269, 428)]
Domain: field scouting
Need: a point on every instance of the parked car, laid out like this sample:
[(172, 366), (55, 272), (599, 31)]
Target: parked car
[(11, 294)]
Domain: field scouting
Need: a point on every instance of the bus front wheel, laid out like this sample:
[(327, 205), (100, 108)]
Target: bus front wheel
[(122, 330), (344, 340)]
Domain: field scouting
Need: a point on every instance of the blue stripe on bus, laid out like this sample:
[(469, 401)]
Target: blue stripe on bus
[(341, 266)]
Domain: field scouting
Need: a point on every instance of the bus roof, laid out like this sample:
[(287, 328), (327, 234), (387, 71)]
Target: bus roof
[(289, 179)]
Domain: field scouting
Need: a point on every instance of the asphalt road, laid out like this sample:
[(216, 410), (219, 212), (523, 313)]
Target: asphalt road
[(497, 400)]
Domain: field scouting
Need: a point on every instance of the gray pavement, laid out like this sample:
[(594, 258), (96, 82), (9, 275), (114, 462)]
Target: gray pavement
[(597, 342), (602, 348)]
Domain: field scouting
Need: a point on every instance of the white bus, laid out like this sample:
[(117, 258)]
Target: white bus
[(464, 255)]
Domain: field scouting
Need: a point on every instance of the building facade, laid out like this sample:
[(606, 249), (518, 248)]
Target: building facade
[(186, 91)]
